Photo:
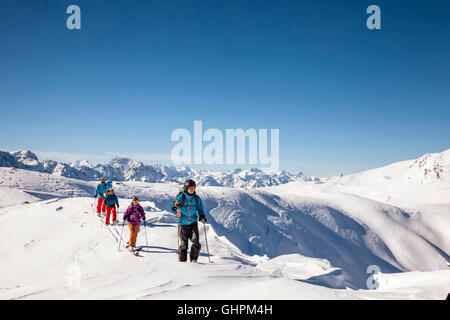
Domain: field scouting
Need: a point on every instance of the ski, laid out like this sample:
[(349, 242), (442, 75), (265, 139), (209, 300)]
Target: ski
[(135, 252)]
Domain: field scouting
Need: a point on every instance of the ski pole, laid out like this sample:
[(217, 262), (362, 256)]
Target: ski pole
[(178, 231), (206, 240), (120, 240), (178, 248), (146, 239), (93, 205)]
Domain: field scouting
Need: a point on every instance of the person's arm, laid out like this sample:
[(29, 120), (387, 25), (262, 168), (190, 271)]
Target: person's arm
[(117, 202), (126, 214), (96, 191), (175, 204)]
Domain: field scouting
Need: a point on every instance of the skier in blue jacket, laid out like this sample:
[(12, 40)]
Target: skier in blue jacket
[(100, 194), (189, 209)]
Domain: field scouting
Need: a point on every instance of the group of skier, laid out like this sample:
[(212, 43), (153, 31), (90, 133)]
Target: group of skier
[(188, 207)]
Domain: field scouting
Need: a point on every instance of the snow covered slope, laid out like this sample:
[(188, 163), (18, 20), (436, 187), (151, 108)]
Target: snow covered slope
[(11, 197), (425, 180), (303, 239), (64, 252), (39, 186)]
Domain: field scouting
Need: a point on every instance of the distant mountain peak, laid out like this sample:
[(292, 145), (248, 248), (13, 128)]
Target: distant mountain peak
[(120, 160), (25, 154), (81, 163), (432, 165), (26, 157)]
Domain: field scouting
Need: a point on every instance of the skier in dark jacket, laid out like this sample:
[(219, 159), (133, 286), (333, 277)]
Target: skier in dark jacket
[(111, 201), (134, 215), (189, 209)]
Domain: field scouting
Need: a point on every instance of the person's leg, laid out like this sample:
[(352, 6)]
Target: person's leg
[(195, 239), (131, 227), (103, 206), (135, 233), (108, 213), (182, 250), (114, 213), (99, 204)]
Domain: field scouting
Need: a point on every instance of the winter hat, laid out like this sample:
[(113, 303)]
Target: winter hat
[(189, 183), (102, 179)]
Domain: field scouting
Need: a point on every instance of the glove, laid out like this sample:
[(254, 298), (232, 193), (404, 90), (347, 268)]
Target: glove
[(203, 219), (143, 219), (95, 196), (125, 219), (175, 205)]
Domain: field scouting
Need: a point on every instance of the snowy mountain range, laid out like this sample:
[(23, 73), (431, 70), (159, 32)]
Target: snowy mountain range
[(124, 169)]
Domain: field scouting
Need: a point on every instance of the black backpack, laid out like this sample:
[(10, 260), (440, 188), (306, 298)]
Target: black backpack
[(183, 199)]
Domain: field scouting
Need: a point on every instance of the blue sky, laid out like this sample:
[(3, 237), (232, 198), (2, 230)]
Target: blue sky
[(345, 98)]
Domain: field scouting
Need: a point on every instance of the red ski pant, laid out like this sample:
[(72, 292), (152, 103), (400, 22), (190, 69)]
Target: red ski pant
[(108, 213), (101, 206)]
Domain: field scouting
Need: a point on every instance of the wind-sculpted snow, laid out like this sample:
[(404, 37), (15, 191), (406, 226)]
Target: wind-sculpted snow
[(350, 232), (308, 218), (256, 255)]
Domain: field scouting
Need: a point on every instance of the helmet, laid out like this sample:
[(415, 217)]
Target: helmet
[(189, 183)]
